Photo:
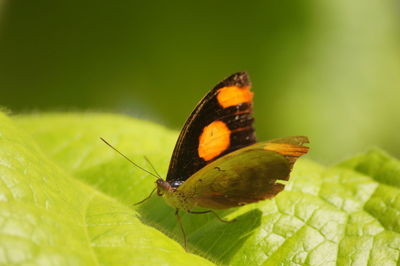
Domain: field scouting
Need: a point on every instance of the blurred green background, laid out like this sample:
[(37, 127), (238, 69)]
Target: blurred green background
[(326, 69)]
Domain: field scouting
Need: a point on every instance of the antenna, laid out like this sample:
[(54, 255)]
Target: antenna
[(138, 166), (152, 166)]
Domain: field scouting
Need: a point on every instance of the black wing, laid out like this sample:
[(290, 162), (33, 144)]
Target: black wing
[(220, 123)]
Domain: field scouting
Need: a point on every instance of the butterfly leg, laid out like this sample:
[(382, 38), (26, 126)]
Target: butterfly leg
[(215, 214), (181, 225), (143, 200)]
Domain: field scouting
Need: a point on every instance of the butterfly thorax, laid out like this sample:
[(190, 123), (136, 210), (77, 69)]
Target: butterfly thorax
[(172, 196)]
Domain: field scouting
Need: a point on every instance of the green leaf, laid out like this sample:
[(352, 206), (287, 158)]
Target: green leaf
[(71, 200), (47, 217)]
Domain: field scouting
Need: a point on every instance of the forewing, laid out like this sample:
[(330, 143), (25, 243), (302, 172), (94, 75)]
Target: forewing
[(244, 176), (220, 123)]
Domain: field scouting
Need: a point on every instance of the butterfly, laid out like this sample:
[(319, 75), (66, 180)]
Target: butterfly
[(217, 163)]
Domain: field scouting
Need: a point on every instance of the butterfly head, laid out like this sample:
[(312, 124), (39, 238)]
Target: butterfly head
[(163, 187)]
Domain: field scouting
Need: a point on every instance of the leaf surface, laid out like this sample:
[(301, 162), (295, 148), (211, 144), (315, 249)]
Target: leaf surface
[(67, 198), (48, 217)]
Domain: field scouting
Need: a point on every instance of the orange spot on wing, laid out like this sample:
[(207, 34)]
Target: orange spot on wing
[(233, 95), (214, 139), (286, 149)]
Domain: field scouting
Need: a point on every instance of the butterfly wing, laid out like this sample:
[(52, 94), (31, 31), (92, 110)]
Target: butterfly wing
[(247, 175), (220, 123)]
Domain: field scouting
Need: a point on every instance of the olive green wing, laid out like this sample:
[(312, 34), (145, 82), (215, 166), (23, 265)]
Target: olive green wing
[(244, 176)]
